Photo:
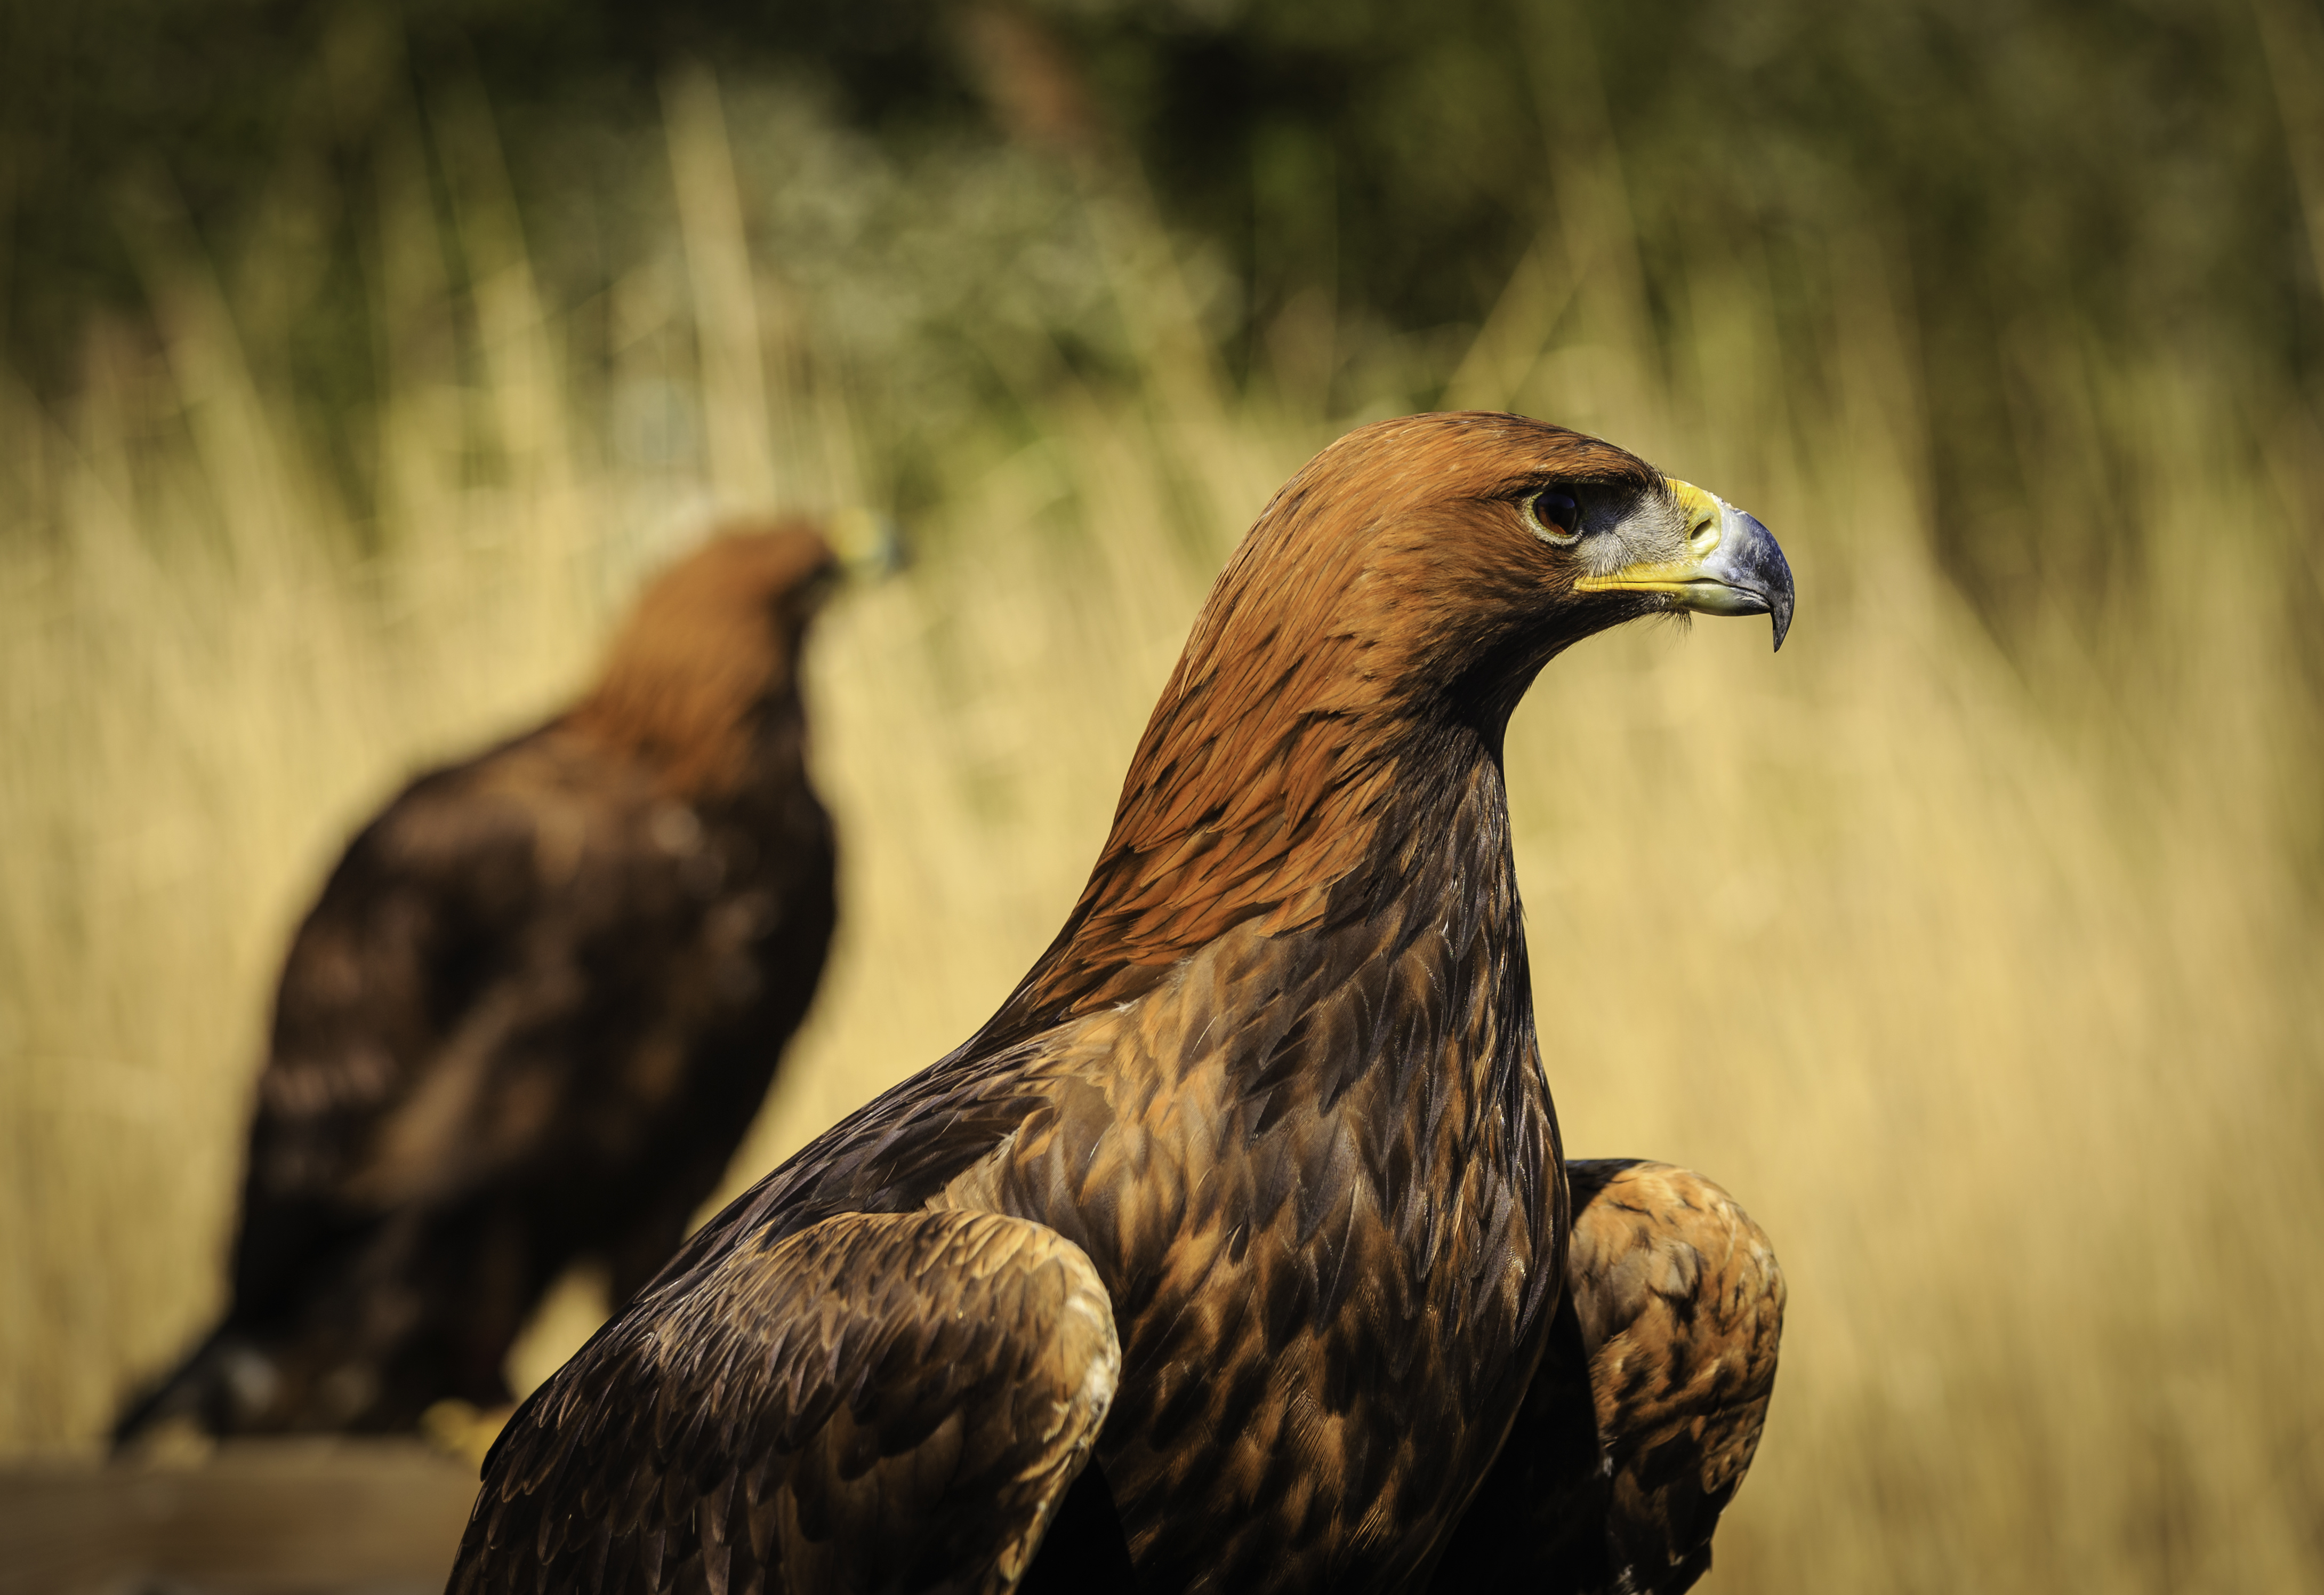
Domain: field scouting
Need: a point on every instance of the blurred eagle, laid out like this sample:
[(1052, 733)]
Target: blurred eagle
[(538, 1004), (1237, 1252)]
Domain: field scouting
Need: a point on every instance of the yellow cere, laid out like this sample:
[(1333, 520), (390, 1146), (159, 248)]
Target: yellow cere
[(1702, 513)]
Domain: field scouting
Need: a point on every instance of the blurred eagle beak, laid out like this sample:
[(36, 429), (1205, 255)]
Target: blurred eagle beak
[(869, 546), (1732, 567)]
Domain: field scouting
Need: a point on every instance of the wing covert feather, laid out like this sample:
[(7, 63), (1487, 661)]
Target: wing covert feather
[(1681, 1305), (879, 1403), (388, 969), (1648, 1403)]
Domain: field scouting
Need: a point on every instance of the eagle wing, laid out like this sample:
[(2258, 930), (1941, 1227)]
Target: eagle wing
[(407, 998), (894, 1402), (1648, 1403)]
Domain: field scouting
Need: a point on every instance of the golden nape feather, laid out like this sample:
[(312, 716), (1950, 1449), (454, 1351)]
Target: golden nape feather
[(541, 997), (1275, 1086)]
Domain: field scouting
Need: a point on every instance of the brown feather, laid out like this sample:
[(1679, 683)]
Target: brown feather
[(538, 1001), (861, 1442), (1650, 1399), (689, 675)]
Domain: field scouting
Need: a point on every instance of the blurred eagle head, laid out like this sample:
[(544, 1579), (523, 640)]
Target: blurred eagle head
[(710, 647)]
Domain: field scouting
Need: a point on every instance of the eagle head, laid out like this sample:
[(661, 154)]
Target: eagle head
[(1447, 558)]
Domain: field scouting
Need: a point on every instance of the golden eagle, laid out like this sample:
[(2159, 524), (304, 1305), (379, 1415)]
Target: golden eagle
[(1236, 1251), (530, 1019)]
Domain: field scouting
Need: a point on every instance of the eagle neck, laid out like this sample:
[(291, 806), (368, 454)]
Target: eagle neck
[(1306, 823), (1432, 927)]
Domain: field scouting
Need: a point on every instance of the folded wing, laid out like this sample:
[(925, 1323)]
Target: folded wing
[(1648, 1404), (881, 1402)]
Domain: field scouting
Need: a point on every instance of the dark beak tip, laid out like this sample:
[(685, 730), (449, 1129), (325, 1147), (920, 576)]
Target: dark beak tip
[(1776, 573)]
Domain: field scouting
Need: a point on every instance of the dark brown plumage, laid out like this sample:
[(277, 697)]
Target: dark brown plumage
[(1275, 1086), (530, 1017), (1648, 1405)]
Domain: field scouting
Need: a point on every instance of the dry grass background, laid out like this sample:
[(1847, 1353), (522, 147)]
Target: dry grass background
[(1989, 983)]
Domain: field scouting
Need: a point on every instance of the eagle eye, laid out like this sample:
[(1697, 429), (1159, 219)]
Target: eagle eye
[(1555, 514)]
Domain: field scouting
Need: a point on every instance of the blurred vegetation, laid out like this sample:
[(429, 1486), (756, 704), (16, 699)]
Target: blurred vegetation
[(2062, 185), (360, 358)]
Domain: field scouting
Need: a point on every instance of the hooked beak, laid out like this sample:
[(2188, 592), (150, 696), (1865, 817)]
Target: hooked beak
[(1732, 567)]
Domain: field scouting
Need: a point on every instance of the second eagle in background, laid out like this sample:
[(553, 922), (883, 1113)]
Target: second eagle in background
[(535, 1009)]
